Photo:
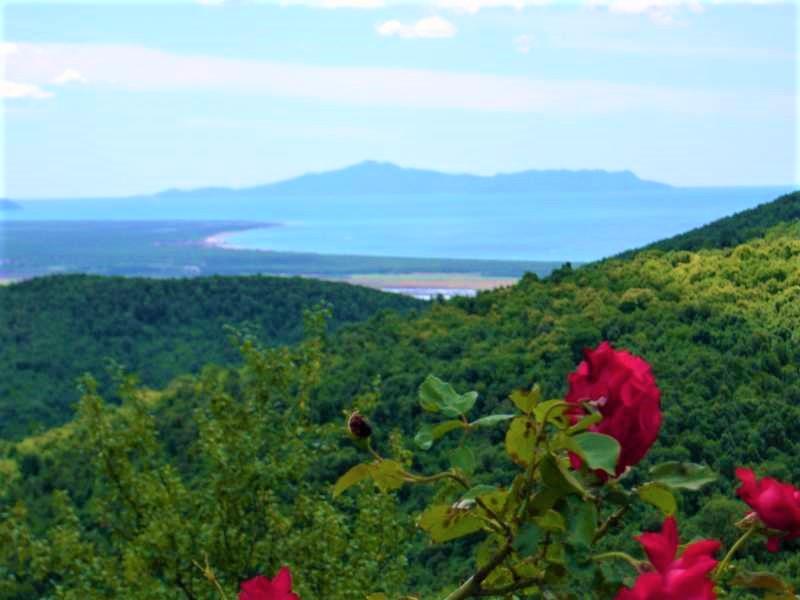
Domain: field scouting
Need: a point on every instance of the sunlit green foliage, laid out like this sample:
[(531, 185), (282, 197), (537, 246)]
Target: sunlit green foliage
[(719, 326), (244, 501)]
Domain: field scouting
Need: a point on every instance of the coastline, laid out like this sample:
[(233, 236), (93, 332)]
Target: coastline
[(419, 284), (220, 239), (427, 286)]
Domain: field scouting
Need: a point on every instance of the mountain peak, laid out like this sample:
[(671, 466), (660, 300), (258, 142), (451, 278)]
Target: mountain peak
[(377, 177)]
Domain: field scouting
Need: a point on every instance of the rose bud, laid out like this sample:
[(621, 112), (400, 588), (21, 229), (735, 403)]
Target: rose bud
[(358, 426)]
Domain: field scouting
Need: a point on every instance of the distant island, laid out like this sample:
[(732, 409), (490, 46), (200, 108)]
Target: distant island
[(9, 205), (371, 177)]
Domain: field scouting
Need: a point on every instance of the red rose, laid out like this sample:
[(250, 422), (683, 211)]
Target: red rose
[(684, 578), (776, 504), (261, 588), (624, 390)]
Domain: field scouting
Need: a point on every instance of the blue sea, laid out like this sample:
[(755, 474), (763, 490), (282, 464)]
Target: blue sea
[(576, 227)]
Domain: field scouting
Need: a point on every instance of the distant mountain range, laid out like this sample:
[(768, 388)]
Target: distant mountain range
[(372, 177), (9, 205)]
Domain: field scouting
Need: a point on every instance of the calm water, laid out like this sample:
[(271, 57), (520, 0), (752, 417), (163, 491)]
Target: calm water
[(507, 227), (578, 227)]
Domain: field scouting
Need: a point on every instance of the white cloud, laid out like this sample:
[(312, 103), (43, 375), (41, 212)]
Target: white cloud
[(523, 43), (474, 6), (664, 12), (13, 90), (69, 76), (661, 12), (147, 70), (429, 27), (7, 48), (366, 4)]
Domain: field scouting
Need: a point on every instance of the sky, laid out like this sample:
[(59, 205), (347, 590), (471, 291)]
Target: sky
[(123, 98)]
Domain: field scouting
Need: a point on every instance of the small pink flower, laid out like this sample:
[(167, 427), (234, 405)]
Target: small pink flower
[(777, 504), (674, 578)]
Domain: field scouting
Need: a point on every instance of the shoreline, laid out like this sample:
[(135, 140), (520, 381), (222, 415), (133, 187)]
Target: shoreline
[(219, 240), (420, 284)]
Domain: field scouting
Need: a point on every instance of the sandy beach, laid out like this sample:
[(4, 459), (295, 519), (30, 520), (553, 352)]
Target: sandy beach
[(422, 285), (220, 240)]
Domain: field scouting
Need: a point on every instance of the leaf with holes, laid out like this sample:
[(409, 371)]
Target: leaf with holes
[(445, 522)]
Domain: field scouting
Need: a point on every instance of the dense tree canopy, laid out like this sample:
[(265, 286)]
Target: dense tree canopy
[(54, 329), (719, 327)]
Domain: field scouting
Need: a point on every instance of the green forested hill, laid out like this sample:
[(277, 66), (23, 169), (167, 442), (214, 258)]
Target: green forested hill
[(54, 329), (720, 326)]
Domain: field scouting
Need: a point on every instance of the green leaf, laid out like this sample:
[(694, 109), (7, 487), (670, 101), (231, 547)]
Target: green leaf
[(460, 405), (556, 554), (520, 440), (429, 433), (352, 477), (545, 498), (551, 410), (551, 521), (582, 522), (424, 437), (446, 427), (600, 451), (437, 396), (388, 475), (585, 423), (463, 459), (445, 522), (557, 477), (491, 420), (478, 491), (496, 500), (527, 540), (682, 476), (659, 496), (762, 580), (526, 401), (434, 393)]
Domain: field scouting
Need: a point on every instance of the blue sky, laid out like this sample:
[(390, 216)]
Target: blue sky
[(124, 98)]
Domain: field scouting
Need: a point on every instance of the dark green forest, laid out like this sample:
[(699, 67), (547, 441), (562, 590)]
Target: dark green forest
[(717, 317), (733, 230), (55, 329)]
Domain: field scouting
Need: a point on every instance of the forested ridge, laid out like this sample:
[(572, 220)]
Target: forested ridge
[(719, 327), (54, 329), (735, 229)]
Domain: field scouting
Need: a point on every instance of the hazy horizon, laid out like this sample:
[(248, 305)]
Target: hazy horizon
[(777, 186)]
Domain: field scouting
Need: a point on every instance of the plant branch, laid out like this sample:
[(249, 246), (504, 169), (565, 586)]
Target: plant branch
[(611, 520), (729, 556), (471, 588), (636, 564)]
